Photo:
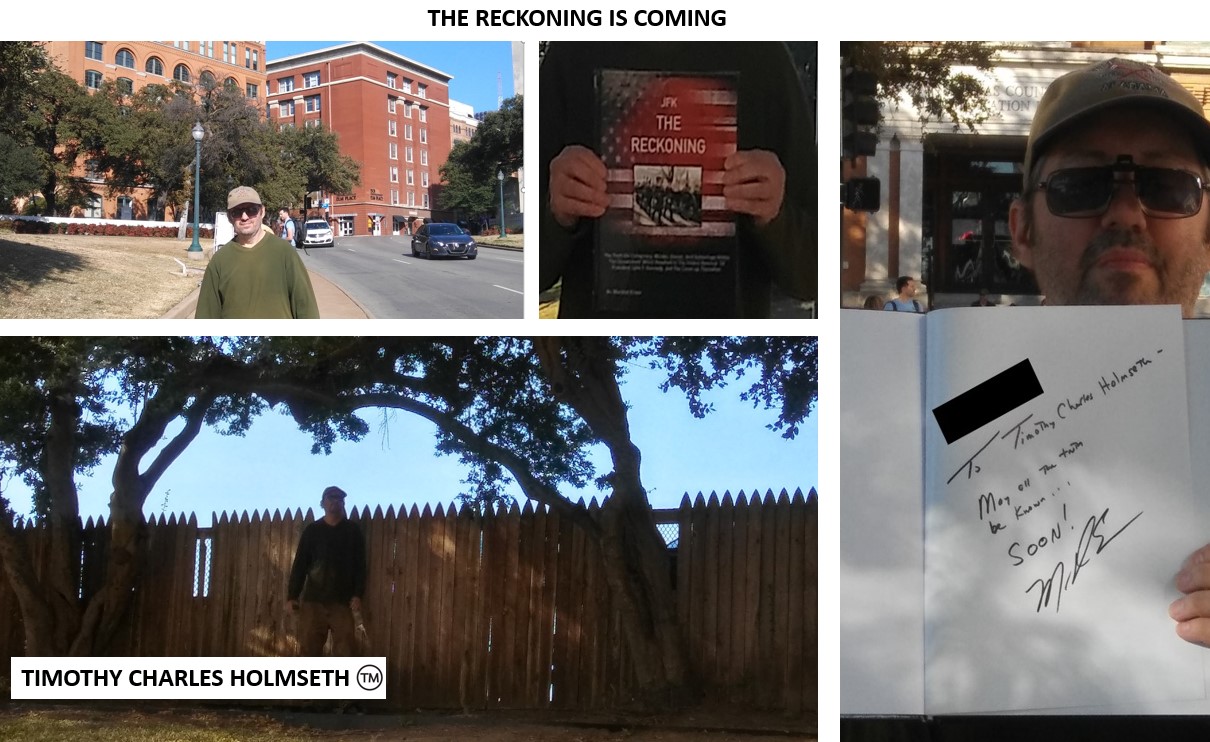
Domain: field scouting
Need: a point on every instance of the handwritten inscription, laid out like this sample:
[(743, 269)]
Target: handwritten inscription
[(1067, 406), (1067, 507), (969, 465), (1033, 519), (1027, 430), (1020, 511), (1055, 533), (1071, 449), (1117, 379)]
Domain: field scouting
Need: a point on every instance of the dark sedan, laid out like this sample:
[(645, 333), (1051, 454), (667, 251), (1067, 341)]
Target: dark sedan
[(443, 240)]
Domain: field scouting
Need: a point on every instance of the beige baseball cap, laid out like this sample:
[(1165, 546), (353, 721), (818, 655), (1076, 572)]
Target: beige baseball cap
[(242, 195), (1113, 83)]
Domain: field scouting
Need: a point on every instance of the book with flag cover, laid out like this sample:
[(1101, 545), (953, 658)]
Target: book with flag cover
[(666, 245)]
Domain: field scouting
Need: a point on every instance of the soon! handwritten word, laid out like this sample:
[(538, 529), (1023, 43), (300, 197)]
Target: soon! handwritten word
[(1032, 548)]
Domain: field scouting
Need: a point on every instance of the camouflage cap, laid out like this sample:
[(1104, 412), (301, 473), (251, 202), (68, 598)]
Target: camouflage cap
[(1111, 84)]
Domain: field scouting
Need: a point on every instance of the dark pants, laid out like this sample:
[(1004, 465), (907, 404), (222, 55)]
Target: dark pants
[(316, 620)]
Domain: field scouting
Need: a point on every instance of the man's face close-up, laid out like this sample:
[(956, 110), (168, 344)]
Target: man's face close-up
[(245, 218), (332, 505), (1119, 250)]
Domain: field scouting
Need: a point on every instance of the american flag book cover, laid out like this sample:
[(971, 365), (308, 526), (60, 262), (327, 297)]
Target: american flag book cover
[(666, 245)]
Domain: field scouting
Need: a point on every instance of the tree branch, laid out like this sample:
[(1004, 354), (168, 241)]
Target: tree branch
[(304, 398)]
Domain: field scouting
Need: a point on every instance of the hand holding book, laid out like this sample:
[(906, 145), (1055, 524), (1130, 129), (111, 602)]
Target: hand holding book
[(754, 183), (1192, 612), (577, 186)]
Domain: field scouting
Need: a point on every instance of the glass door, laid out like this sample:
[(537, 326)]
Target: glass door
[(980, 254)]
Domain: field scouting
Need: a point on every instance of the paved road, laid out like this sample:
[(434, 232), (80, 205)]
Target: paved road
[(383, 277)]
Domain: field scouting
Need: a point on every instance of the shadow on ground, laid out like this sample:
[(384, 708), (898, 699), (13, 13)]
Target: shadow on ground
[(155, 720), (715, 726), (23, 265)]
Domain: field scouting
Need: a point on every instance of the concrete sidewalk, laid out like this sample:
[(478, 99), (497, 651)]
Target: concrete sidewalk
[(333, 303)]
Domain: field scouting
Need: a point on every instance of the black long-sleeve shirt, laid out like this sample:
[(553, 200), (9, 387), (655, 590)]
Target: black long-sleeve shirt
[(331, 561)]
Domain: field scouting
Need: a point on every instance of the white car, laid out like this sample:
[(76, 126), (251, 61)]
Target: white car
[(317, 233)]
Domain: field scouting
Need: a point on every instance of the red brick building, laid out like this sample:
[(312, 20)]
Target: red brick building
[(136, 64), (392, 115)]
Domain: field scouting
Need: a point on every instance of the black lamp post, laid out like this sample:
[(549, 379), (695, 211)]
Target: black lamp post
[(195, 249), (500, 177)]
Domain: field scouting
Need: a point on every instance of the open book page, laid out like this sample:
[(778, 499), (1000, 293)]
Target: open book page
[(1058, 510), (881, 513), (1197, 372)]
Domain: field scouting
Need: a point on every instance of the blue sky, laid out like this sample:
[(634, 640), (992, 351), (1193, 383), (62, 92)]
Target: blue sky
[(474, 64), (272, 467)]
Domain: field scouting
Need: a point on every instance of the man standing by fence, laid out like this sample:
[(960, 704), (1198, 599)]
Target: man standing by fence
[(329, 577)]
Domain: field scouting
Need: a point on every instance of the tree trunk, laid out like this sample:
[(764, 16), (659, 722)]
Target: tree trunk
[(35, 612), (50, 603), (583, 374), (54, 620), (108, 608), (639, 574), (61, 573), (50, 195)]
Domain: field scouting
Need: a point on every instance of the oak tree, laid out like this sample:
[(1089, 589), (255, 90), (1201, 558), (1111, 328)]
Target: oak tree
[(517, 409)]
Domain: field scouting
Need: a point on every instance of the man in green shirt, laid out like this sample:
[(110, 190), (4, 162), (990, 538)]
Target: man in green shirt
[(257, 275)]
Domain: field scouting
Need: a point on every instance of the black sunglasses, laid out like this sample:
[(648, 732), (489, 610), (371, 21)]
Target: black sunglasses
[(1083, 192), (239, 212)]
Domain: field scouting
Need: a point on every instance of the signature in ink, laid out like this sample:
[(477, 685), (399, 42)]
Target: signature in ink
[(1092, 539)]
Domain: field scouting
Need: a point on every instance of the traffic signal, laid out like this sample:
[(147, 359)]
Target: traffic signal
[(861, 194), (859, 109)]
